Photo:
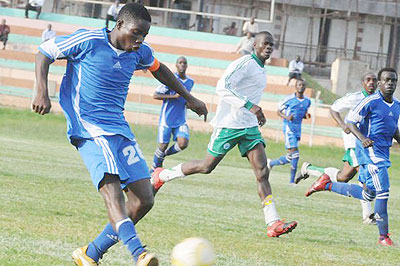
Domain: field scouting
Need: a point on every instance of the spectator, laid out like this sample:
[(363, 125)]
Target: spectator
[(250, 26), (230, 30), (245, 45), (113, 11), (35, 5), (4, 31), (48, 34), (295, 69)]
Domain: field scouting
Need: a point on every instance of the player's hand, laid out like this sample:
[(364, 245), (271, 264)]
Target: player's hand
[(367, 142), (259, 114), (290, 117), (307, 116), (198, 107), (41, 104), (346, 129)]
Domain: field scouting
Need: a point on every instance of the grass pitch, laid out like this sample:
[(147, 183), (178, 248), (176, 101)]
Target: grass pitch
[(48, 205)]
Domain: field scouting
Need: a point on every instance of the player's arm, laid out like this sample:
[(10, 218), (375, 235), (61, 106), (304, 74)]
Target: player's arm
[(282, 115), (397, 136), (41, 104), (166, 77), (341, 105), (339, 120), (366, 142), (160, 96), (356, 116)]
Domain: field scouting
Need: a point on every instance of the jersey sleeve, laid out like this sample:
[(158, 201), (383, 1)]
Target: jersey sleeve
[(357, 114), (147, 58), (342, 104), (69, 46), (284, 104), (162, 89), (229, 91)]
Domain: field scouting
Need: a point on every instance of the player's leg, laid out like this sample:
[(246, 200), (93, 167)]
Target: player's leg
[(38, 10), (257, 159), (181, 138), (164, 135), (294, 153), (222, 140), (284, 159)]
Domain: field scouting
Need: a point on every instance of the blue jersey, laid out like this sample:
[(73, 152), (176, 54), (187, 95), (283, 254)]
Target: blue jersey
[(173, 111), (95, 85), (378, 121), (292, 105)]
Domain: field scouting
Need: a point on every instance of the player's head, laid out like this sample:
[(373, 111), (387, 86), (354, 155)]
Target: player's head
[(387, 80), (369, 82), (300, 85), (252, 19), (3, 21), (263, 45), (181, 65), (298, 58), (132, 26), (49, 27)]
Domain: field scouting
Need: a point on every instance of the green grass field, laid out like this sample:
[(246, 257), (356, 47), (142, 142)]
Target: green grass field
[(48, 205)]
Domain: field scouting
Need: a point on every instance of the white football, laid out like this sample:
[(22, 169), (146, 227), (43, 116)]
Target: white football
[(194, 251)]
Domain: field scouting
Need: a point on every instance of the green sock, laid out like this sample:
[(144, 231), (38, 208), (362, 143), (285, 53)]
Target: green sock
[(315, 170)]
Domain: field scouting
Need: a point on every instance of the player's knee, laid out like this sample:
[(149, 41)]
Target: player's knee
[(368, 194), (383, 194), (262, 173), (207, 168), (183, 145)]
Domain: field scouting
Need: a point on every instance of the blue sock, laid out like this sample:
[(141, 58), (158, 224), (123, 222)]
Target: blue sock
[(293, 168), (280, 161), (381, 215), (102, 243), (127, 233), (172, 150), (350, 190), (158, 158)]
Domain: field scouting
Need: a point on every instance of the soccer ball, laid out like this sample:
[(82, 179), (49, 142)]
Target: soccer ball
[(194, 251)]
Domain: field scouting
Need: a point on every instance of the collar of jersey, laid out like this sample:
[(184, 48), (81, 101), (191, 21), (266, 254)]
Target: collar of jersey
[(257, 60), (364, 92), (116, 50)]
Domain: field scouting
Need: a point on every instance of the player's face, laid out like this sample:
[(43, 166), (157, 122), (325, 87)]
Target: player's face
[(181, 65), (300, 86), (131, 35), (369, 83), (264, 46), (388, 82)]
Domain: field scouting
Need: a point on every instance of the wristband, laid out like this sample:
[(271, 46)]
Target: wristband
[(248, 105)]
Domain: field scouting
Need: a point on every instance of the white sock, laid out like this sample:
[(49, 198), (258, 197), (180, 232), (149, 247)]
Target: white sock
[(332, 173), (366, 206), (270, 213), (314, 172), (167, 175)]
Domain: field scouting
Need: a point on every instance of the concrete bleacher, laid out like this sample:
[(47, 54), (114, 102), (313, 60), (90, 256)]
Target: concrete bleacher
[(208, 56)]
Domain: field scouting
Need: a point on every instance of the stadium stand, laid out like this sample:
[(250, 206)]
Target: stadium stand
[(208, 56)]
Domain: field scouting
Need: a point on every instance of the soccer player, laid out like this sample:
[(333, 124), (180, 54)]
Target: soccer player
[(350, 162), (377, 117), (293, 110), (172, 117), (93, 92), (236, 123)]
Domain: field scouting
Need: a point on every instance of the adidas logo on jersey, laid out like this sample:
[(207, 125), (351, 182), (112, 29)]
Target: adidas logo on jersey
[(390, 114), (117, 65)]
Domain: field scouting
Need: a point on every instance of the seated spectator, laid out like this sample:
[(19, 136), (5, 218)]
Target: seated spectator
[(245, 45), (250, 26), (48, 34), (231, 30), (113, 11), (4, 31), (35, 5), (295, 69)]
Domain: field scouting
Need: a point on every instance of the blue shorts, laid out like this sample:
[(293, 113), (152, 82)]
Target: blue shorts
[(291, 139), (115, 155), (374, 177), (165, 132)]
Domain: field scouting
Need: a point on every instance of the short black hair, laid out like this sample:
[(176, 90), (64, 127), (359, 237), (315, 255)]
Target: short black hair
[(386, 69), (369, 73), (262, 33), (133, 11)]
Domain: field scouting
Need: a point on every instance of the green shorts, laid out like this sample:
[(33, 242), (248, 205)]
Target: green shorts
[(350, 157), (224, 139)]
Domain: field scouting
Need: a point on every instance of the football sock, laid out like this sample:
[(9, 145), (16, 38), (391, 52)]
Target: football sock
[(366, 206), (102, 243), (172, 150), (280, 161), (350, 190), (332, 173), (293, 168), (315, 170), (158, 158), (381, 215), (270, 213), (127, 233), (170, 174)]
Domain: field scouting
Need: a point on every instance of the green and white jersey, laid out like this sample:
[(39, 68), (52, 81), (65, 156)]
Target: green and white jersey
[(243, 81), (344, 105)]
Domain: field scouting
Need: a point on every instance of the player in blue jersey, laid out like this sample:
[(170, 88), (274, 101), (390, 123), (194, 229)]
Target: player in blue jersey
[(93, 92), (293, 110), (172, 117), (377, 118)]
